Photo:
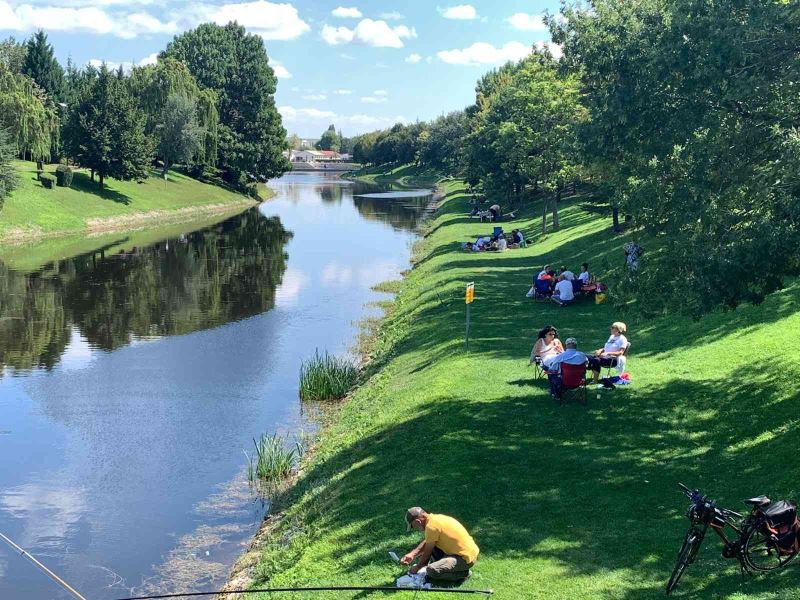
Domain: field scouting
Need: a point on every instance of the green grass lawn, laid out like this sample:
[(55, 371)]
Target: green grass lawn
[(565, 501), (31, 206), (408, 176)]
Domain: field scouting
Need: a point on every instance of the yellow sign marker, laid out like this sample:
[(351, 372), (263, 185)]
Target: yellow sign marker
[(470, 296)]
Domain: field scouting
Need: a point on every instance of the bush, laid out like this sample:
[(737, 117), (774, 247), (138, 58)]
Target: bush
[(64, 176), (273, 460), (48, 181), (326, 377)]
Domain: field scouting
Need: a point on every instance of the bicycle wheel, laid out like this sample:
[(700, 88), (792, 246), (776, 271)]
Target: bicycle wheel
[(691, 544), (760, 552)]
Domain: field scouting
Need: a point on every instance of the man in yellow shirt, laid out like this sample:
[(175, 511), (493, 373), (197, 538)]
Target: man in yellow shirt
[(448, 550)]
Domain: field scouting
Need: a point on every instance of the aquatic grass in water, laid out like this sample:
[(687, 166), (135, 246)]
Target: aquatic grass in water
[(326, 377), (273, 459)]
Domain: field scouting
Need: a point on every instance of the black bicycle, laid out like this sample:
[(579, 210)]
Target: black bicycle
[(766, 539)]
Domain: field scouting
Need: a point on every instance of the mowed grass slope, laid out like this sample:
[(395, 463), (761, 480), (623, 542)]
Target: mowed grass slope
[(565, 502), (31, 206)]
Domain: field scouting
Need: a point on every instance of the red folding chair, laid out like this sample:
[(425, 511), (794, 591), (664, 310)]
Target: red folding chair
[(573, 381)]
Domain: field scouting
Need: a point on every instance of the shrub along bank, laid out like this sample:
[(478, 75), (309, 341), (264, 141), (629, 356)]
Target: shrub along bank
[(565, 502), (32, 211)]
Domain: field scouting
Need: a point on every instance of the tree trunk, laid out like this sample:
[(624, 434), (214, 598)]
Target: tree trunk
[(91, 175), (544, 215), (615, 216), (556, 200), (102, 177), (164, 170)]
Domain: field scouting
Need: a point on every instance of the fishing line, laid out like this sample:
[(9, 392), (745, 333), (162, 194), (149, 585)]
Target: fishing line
[(47, 571), (318, 589)]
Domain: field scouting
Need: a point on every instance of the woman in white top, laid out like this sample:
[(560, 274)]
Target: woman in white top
[(612, 354), (547, 347), (584, 276)]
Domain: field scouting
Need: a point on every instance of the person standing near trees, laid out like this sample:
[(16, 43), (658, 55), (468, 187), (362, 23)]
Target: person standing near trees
[(448, 551)]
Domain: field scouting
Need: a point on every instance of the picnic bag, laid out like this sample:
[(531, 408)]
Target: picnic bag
[(783, 526)]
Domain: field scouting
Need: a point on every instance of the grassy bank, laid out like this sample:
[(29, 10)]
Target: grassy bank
[(32, 212), (565, 502), (408, 176)]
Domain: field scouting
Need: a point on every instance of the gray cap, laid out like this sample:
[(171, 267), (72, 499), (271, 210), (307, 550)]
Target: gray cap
[(412, 513), (571, 342)]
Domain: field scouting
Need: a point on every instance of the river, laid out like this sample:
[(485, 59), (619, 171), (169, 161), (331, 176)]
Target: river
[(134, 378)]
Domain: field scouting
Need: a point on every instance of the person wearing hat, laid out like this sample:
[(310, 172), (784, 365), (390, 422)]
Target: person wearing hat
[(570, 356), (448, 550)]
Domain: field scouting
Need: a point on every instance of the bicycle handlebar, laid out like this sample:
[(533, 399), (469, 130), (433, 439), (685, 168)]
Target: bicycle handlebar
[(697, 498)]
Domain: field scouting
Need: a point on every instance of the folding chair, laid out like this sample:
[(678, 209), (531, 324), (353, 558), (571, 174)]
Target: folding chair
[(573, 381), (614, 366), (541, 289)]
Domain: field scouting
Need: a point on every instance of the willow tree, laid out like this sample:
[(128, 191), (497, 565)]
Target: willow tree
[(27, 115), (8, 174)]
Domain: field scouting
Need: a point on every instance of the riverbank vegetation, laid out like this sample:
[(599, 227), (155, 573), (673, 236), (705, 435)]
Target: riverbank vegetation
[(216, 117), (571, 501), (327, 377), (274, 459), (668, 112)]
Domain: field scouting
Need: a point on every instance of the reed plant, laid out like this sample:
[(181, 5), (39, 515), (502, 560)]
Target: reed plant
[(274, 458), (326, 377)]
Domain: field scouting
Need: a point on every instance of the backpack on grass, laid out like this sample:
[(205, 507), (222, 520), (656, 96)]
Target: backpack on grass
[(783, 526)]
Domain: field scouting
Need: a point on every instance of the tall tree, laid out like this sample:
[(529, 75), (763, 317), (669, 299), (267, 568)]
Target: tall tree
[(28, 115), (107, 131), (234, 64), (12, 55), (180, 138), (330, 140), (8, 174), (41, 66)]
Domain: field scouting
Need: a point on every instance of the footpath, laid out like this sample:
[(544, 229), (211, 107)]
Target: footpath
[(570, 501)]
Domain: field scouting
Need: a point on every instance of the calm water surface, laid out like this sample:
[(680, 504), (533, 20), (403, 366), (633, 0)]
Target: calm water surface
[(133, 380)]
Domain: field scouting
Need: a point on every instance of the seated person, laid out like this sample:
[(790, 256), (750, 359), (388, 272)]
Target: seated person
[(570, 356), (482, 243), (546, 270), (568, 275), (584, 276), (470, 247), (546, 348), (474, 212), (563, 293), (611, 354), (501, 243), (448, 551)]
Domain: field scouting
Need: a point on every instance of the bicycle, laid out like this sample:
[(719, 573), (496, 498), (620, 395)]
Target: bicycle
[(756, 546)]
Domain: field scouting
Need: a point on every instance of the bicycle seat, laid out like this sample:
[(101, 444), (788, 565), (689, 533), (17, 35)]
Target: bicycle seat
[(758, 501)]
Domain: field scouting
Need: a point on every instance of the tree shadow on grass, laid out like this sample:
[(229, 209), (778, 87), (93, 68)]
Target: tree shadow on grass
[(83, 183), (591, 491)]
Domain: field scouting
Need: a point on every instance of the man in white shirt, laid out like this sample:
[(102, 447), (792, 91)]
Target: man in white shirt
[(502, 244), (570, 356), (563, 293)]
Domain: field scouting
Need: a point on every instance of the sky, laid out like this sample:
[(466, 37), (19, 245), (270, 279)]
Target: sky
[(361, 65)]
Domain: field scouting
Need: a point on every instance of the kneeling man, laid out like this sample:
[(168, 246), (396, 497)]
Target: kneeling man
[(448, 549)]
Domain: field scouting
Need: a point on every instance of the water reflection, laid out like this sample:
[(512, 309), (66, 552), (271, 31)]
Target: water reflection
[(198, 281)]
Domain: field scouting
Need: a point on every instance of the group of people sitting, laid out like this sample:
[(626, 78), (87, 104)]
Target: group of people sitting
[(549, 353), (493, 214), (498, 242), (561, 287)]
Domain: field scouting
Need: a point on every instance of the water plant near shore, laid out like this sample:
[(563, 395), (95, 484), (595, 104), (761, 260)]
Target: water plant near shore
[(274, 458), (326, 377)]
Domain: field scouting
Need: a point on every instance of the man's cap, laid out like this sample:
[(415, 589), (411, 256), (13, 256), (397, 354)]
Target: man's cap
[(571, 342), (412, 513)]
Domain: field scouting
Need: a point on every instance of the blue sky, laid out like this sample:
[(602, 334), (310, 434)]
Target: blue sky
[(362, 65)]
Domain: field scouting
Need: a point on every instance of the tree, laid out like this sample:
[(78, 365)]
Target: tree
[(330, 140), (443, 147), (27, 115), (12, 55), (107, 131), (8, 174), (234, 64), (694, 127), (294, 142), (41, 65), (180, 138)]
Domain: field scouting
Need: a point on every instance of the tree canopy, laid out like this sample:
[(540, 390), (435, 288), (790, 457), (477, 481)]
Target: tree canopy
[(40, 64)]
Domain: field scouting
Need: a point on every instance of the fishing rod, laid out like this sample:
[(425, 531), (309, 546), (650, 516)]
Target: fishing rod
[(47, 571), (349, 588)]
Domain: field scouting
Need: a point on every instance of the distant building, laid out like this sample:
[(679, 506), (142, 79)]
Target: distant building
[(317, 156)]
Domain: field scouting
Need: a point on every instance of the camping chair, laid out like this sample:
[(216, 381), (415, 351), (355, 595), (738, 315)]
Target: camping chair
[(541, 289), (573, 381), (539, 372), (625, 354)]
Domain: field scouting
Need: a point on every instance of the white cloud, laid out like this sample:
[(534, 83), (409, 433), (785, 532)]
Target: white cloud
[(289, 113), (150, 59), (413, 58), (462, 12), (347, 13), (354, 124), (482, 53), (526, 22), (315, 97), (392, 16), (269, 20), (280, 71), (378, 34), (342, 92), (337, 35), (380, 93), (373, 99)]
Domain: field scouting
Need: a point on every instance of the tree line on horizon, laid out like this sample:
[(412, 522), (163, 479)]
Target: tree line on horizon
[(207, 104), (684, 115)]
